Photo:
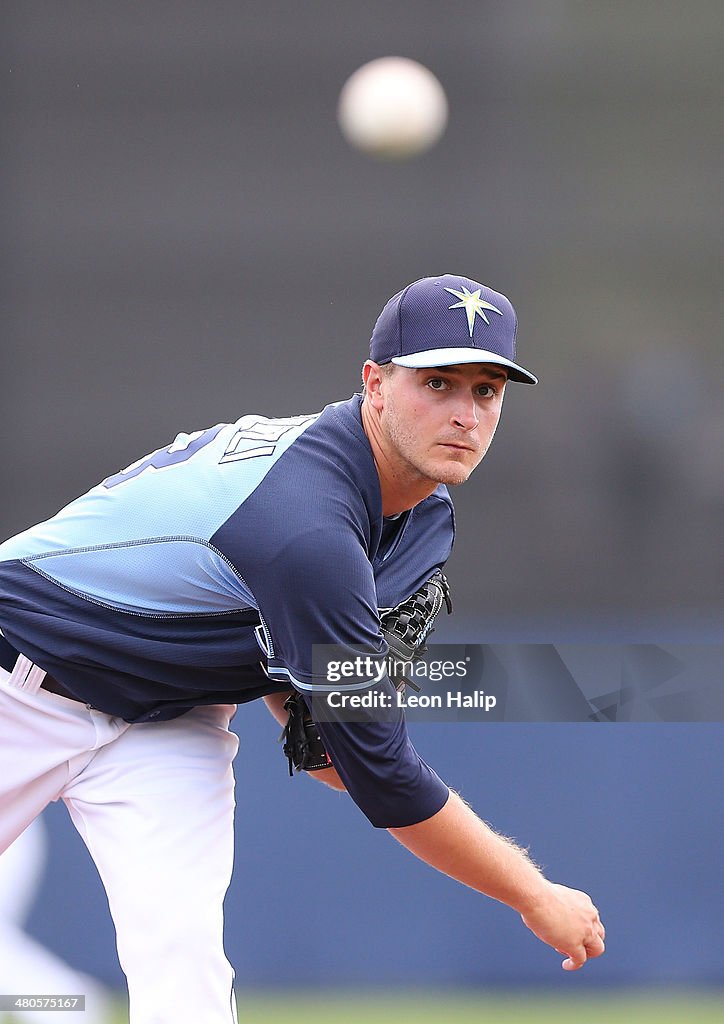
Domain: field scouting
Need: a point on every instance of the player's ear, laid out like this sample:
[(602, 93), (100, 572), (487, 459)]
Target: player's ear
[(372, 377)]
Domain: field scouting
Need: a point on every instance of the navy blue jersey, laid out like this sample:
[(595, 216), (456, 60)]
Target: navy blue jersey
[(165, 586)]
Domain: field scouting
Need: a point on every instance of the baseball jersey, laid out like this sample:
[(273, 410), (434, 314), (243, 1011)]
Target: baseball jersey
[(166, 585)]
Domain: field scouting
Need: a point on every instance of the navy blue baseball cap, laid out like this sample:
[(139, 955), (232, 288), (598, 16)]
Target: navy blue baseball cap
[(439, 321)]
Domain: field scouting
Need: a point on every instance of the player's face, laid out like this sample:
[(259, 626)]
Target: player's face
[(439, 422)]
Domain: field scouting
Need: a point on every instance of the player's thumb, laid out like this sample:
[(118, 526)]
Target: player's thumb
[(575, 959)]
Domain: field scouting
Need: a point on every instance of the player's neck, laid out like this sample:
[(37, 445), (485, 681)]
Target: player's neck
[(401, 487)]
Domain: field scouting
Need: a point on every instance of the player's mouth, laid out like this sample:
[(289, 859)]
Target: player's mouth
[(456, 446)]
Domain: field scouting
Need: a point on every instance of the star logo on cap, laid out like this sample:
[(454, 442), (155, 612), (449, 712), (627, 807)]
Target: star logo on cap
[(472, 304)]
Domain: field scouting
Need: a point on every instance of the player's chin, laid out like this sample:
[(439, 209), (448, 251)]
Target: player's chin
[(455, 479), (452, 473)]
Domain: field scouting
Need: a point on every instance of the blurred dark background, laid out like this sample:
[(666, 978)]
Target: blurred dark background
[(188, 238)]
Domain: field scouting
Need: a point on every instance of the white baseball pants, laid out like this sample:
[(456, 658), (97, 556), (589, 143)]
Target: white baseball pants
[(154, 803)]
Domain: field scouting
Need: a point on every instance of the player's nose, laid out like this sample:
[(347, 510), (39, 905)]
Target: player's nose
[(465, 414)]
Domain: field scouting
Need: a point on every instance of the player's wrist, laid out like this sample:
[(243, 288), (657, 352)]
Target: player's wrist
[(537, 898), (534, 895)]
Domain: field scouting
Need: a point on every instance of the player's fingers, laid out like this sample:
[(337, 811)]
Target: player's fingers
[(596, 946)]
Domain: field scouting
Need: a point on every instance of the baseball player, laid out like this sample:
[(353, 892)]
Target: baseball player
[(206, 575)]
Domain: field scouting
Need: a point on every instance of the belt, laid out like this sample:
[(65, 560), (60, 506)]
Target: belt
[(8, 658)]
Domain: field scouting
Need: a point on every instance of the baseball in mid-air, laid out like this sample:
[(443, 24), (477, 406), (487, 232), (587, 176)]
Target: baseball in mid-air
[(392, 108)]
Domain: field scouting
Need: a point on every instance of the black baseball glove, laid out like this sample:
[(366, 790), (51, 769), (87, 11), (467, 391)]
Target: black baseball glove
[(303, 746), (406, 628)]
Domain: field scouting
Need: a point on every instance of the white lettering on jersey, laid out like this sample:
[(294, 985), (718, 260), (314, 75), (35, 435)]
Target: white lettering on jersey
[(245, 443)]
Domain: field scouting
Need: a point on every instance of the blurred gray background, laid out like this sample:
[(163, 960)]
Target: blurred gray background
[(188, 238)]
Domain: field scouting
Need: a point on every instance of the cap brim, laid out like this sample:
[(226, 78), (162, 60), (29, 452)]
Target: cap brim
[(451, 356)]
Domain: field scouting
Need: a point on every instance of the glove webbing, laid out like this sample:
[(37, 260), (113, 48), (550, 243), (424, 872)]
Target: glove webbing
[(407, 626)]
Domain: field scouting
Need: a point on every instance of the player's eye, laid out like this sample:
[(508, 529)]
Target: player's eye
[(486, 391), (437, 384)]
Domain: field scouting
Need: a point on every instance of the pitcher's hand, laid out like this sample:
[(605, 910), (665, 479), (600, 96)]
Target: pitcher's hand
[(568, 921)]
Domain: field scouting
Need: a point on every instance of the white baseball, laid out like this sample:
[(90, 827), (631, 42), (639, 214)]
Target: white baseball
[(392, 107)]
